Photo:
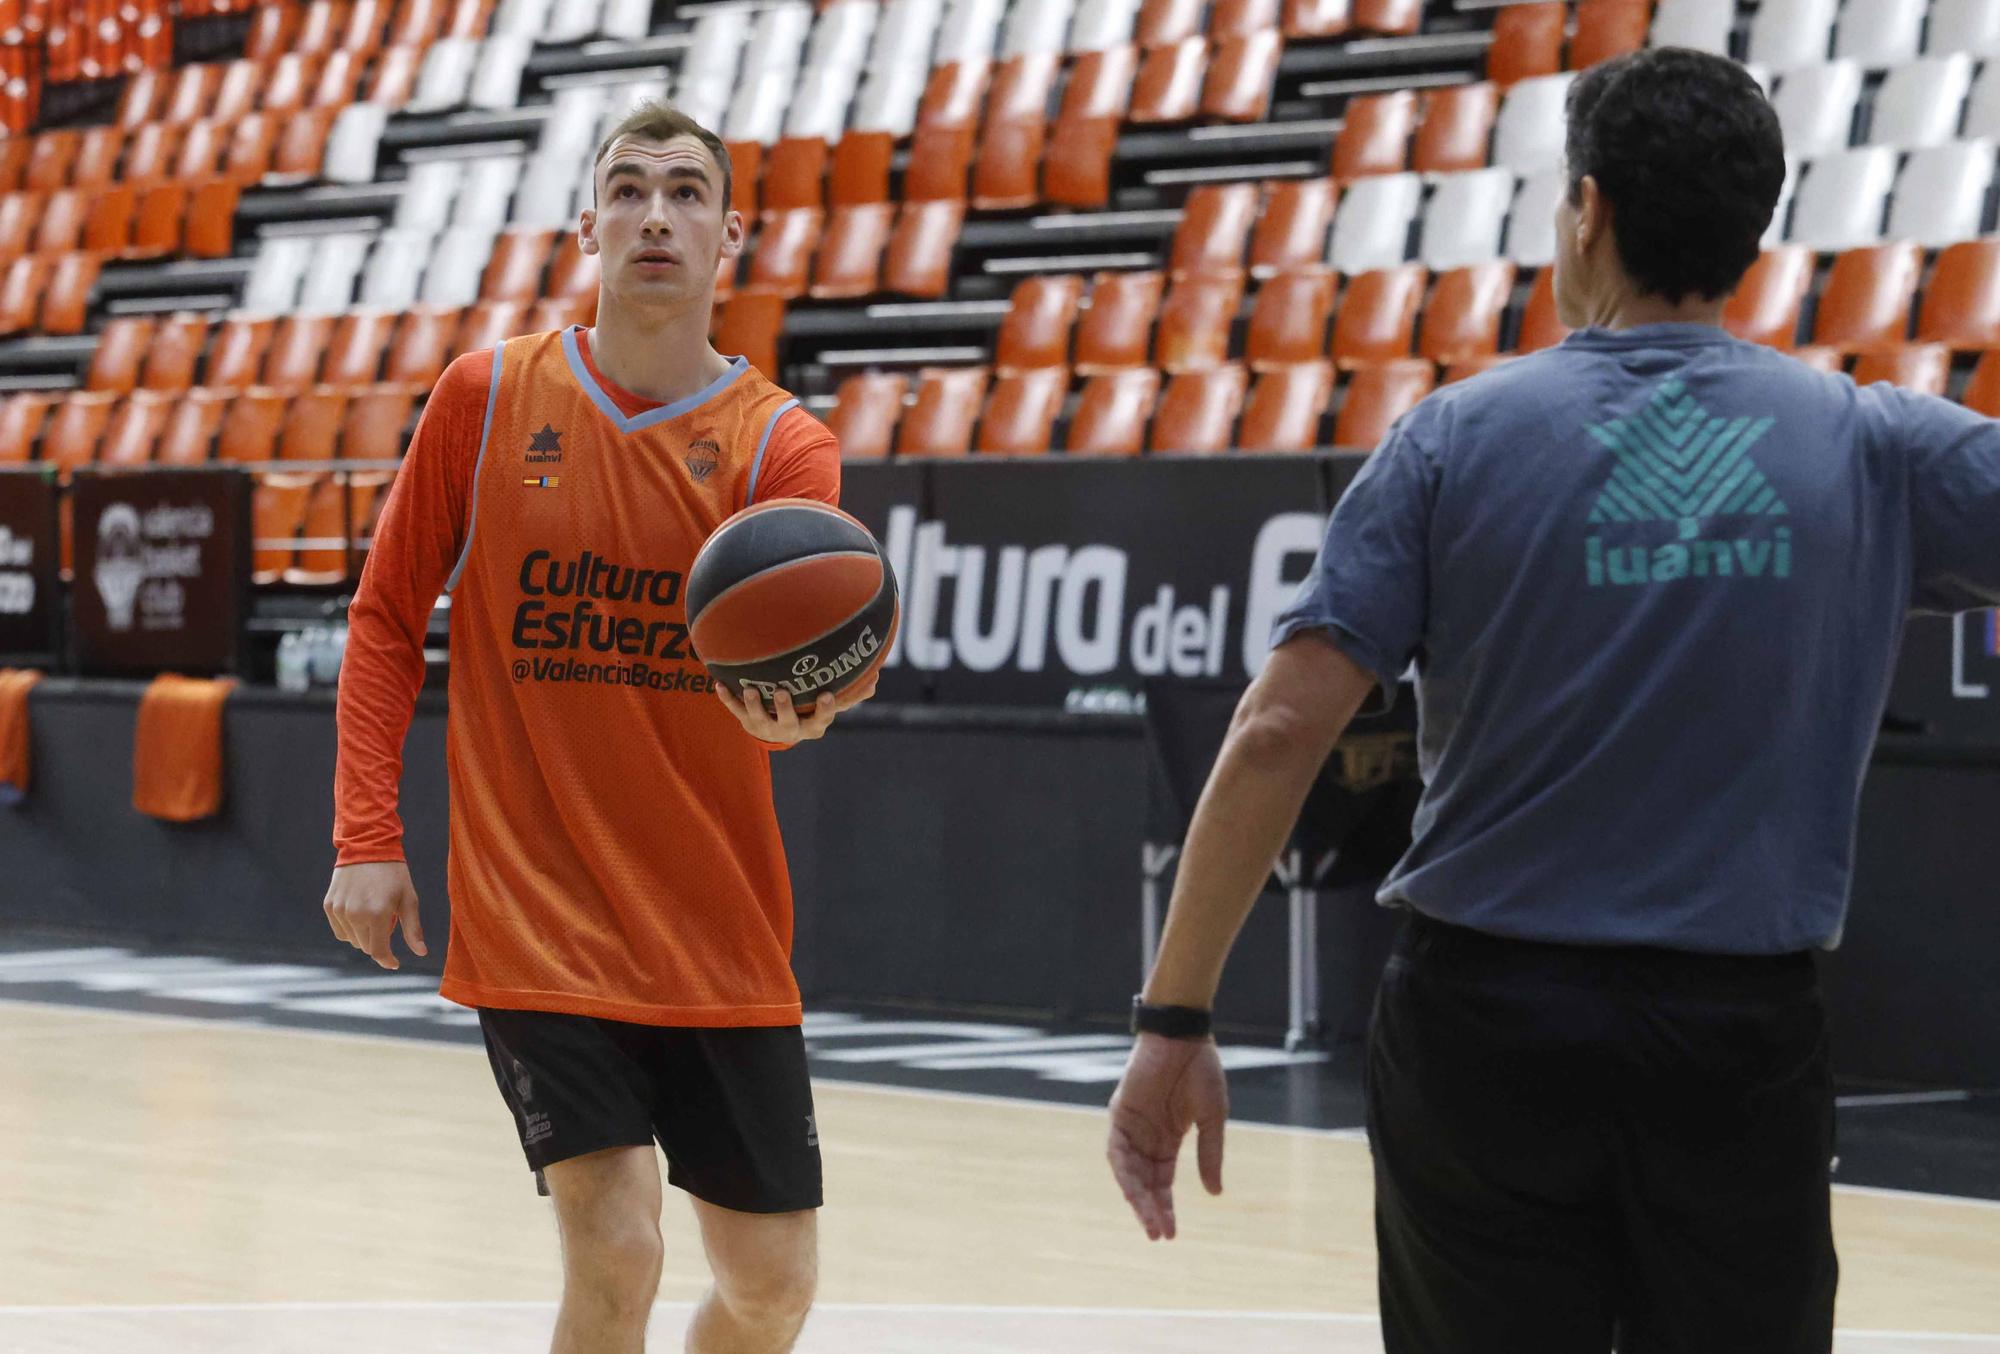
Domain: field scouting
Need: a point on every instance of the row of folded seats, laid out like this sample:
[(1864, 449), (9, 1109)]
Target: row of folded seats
[(1781, 33), (369, 25)]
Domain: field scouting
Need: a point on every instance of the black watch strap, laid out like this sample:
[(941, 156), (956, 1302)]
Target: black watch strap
[(1174, 1022)]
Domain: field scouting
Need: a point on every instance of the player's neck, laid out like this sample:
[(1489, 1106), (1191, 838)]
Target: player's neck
[(665, 357)]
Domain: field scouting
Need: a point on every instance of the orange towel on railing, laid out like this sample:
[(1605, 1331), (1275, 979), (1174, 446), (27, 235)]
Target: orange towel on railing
[(177, 748), (15, 684)]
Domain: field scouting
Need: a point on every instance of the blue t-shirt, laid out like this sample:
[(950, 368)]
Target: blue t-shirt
[(1654, 584)]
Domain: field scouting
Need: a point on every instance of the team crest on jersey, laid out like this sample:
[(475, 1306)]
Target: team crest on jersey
[(704, 454), (545, 445)]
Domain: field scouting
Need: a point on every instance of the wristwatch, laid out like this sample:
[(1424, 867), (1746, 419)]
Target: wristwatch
[(1173, 1022)]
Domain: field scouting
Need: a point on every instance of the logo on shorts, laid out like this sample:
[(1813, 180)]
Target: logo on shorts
[(524, 1085), (812, 1132), (546, 445), (704, 454), (534, 1128)]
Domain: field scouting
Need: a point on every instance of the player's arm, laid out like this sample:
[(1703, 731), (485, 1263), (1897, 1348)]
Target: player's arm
[(417, 543), (802, 460), (1952, 455)]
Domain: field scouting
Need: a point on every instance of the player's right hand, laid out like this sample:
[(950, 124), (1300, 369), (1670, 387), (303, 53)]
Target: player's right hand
[(364, 903)]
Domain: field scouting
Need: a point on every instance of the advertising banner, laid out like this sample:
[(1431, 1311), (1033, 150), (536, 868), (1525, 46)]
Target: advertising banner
[(1947, 685), (30, 600)]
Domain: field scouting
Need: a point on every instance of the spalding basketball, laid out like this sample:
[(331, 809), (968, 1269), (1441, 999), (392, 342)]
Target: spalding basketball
[(791, 594)]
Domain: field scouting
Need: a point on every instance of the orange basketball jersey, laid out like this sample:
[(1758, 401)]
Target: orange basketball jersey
[(614, 850)]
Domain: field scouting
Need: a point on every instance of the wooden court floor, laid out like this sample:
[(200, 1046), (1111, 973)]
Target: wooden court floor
[(170, 1185)]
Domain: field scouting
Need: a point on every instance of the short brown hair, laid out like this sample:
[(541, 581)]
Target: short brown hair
[(658, 120)]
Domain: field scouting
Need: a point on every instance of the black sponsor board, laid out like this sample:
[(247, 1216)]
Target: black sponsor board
[(162, 570), (1947, 686), (1073, 583), (30, 600)]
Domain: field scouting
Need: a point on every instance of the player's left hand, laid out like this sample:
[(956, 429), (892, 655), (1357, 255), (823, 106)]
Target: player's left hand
[(1169, 1086), (787, 726)]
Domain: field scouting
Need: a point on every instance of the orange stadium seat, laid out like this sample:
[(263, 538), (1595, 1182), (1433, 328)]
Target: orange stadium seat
[(66, 307), (150, 153), (918, 262), (50, 157), (1036, 332), (121, 350), (1374, 137), (1117, 329), (236, 361), (1822, 358), (394, 78), (1005, 175), (1161, 23), (329, 516), (1462, 320), (22, 285), (1214, 229), (1527, 41), (795, 174), (113, 214), (866, 410), (250, 428), (320, 28), (367, 25), (1316, 18), (1924, 367), (1100, 84), (97, 156), (749, 326), (514, 271), (202, 145), (417, 21), (251, 145), (572, 272), (63, 218), (786, 241), (1981, 394), (1456, 128), (14, 153), (1390, 18), (76, 428), (1292, 231), (290, 80), (1242, 72), (1078, 161), (1377, 318), (1289, 318), (191, 93), (490, 323), (422, 346), (1021, 88), (860, 170), (272, 30), (22, 418), (20, 213), (1868, 297), (311, 430), (1286, 407), (1198, 410), (1540, 326), (939, 421), (1195, 320), (1962, 303), (1168, 88), (277, 511), (849, 264), (298, 345), (192, 428), (301, 148), (952, 95), (1111, 417), (174, 352), (746, 169), (1235, 18), (560, 312), (1765, 306), (1377, 395), (339, 82), (135, 428), (237, 91), (144, 94), (1608, 28), (940, 156), (1021, 412), (468, 19), (377, 424)]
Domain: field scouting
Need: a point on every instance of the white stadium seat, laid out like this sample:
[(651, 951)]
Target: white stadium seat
[(328, 285), (1816, 107), (1528, 135), (1371, 228), (457, 263), (1465, 219), (1970, 26), (547, 187), (429, 193), (524, 17), (1704, 25), (1787, 33), (486, 194), (395, 267), (1879, 32), (571, 21), (970, 31), (1941, 197), (1102, 24), (1982, 109), (1781, 215), (496, 78), (1531, 229), (353, 143), (899, 62), (1842, 198), (625, 20), (1921, 102), (445, 76), (1035, 26), (275, 274)]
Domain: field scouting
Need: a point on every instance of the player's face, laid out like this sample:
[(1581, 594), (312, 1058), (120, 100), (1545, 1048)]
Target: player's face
[(661, 226)]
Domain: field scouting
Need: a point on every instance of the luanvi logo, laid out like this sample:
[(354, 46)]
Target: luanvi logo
[(1675, 462), (704, 454), (545, 446)]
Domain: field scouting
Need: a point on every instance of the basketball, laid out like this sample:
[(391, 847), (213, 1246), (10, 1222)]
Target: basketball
[(791, 594)]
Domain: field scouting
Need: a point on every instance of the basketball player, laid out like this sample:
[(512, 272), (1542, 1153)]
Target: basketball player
[(1654, 582), (621, 913)]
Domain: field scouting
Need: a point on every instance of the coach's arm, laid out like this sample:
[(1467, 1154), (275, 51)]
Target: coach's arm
[(1283, 731)]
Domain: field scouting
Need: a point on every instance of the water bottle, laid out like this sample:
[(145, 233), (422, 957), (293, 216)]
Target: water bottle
[(292, 670)]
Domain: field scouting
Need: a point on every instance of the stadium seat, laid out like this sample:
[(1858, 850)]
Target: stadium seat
[(339, 81), (1779, 230), (1242, 71), (866, 410), (75, 428), (311, 430), (1102, 24), (786, 241), (1982, 109), (1843, 197), (1288, 322), (1528, 135), (1214, 228), (1462, 319), (422, 345), (1005, 174), (63, 215), (939, 421), (1607, 28), (749, 326), (860, 169), (14, 153), (273, 29), (1981, 393), (1457, 128), (67, 304), (1021, 411), (1830, 360), (150, 153), (1195, 321), (97, 155), (1111, 416), (953, 94), (1940, 197), (490, 323), (1788, 33), (277, 511), (1969, 26), (1078, 162), (20, 213), (192, 428), (1377, 318), (1100, 84), (1169, 85), (329, 517), (1527, 41), (795, 173), (1704, 25), (1924, 367), (23, 415), (335, 270), (139, 102), (940, 156), (1037, 328), (1198, 410), (1920, 103), (1292, 232), (1374, 136), (1541, 325), (1388, 18), (377, 424), (236, 361), (554, 313), (1162, 23), (1465, 218), (849, 262), (191, 93), (251, 143), (121, 350), (1377, 395), (353, 144), (1765, 306), (1961, 306), (1286, 407), (1868, 296), (23, 283), (135, 428), (175, 351), (1531, 227), (51, 156), (275, 275), (392, 275), (298, 345), (1816, 107), (520, 259), (250, 428), (1371, 227), (1239, 18), (1117, 328), (918, 261), (1022, 86)]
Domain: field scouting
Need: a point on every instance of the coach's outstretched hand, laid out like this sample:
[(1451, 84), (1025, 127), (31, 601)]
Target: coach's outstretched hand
[(1169, 1085), (364, 903), (788, 726)]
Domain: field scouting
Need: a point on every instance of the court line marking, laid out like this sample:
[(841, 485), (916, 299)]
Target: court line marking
[(1901, 1098)]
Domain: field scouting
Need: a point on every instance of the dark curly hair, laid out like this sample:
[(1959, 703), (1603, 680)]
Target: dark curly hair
[(1687, 150)]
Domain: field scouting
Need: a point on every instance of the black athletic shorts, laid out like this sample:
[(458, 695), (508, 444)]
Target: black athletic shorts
[(732, 1108)]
